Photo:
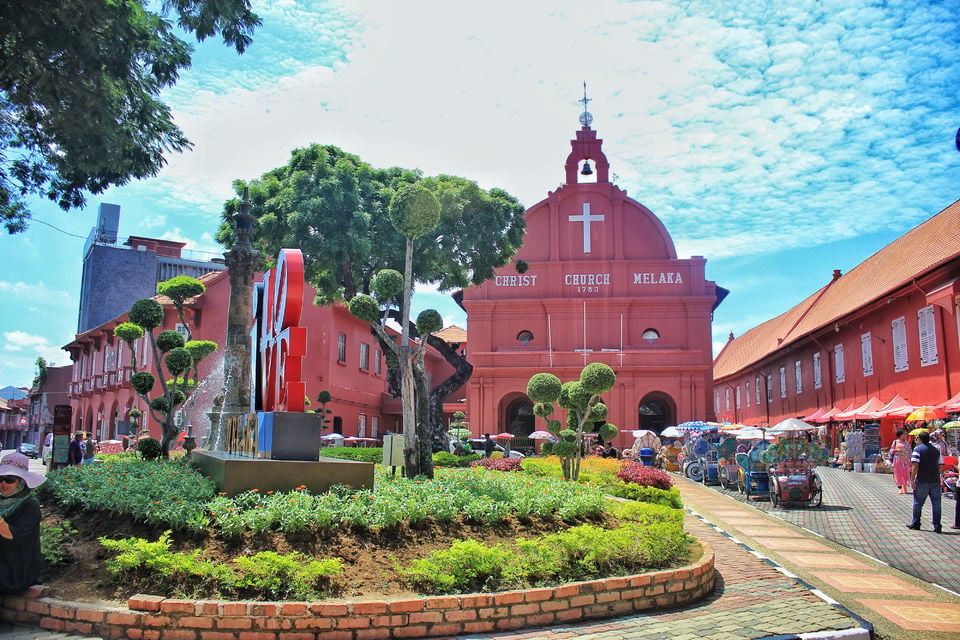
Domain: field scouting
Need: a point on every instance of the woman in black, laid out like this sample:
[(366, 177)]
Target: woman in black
[(19, 525)]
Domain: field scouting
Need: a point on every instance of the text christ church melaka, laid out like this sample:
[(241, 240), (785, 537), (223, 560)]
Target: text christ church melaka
[(603, 284)]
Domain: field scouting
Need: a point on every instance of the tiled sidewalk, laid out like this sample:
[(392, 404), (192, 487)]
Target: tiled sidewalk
[(861, 511), (864, 512)]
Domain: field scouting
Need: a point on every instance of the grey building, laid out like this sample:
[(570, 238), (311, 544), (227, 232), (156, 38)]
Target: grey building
[(117, 275)]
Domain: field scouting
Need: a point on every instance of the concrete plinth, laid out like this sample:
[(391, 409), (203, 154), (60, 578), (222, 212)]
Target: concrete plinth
[(235, 474)]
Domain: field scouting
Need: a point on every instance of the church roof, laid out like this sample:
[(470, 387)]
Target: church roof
[(913, 254)]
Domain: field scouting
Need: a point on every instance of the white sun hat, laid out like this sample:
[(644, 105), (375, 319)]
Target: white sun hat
[(16, 464)]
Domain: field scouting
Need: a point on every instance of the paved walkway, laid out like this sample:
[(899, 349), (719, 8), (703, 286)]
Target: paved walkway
[(840, 571)]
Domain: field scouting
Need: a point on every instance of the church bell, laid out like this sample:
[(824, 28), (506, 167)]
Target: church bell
[(587, 170)]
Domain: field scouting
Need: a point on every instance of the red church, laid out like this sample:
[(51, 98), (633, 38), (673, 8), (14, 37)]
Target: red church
[(597, 280)]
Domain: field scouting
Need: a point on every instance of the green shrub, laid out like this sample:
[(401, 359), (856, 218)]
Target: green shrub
[(264, 576), (362, 454), (444, 459), (149, 448), (55, 540), (271, 576), (468, 565), (668, 498), (584, 552)]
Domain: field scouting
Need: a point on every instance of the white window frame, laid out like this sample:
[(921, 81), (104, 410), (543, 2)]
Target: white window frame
[(838, 363), (866, 354), (817, 371), (927, 330), (901, 355)]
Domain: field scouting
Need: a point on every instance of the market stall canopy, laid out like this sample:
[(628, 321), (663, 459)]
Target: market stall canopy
[(863, 412), (693, 425), (826, 417), (952, 405), (671, 432), (896, 408), (816, 414), (951, 425)]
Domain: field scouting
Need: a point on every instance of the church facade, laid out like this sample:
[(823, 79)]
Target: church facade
[(597, 280)]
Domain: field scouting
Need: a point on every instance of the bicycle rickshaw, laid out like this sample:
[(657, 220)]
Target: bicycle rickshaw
[(754, 473), (728, 471), (792, 478)]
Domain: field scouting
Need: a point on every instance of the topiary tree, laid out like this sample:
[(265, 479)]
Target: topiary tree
[(323, 398), (176, 358), (581, 399)]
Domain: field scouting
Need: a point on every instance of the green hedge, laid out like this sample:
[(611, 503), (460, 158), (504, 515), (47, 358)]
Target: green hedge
[(361, 454)]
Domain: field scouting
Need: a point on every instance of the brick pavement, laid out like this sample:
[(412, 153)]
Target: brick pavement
[(864, 512)]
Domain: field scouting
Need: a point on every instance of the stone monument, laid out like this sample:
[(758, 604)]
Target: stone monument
[(265, 440)]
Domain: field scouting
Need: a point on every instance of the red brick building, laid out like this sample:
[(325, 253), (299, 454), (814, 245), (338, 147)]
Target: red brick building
[(597, 280), (885, 333)]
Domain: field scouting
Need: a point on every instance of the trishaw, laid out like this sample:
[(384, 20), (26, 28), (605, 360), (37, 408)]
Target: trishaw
[(710, 466), (792, 478), (753, 477), (694, 452), (728, 471), (667, 457)]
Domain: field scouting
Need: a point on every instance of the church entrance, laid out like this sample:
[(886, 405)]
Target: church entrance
[(657, 411), (520, 422)]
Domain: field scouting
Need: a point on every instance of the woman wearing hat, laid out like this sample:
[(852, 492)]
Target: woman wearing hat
[(19, 525)]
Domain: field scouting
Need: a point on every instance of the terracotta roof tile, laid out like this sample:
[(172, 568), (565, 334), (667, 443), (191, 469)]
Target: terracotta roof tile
[(452, 334), (921, 249)]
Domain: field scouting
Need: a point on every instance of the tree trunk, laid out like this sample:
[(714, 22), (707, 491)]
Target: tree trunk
[(424, 441), (406, 371), (439, 393)]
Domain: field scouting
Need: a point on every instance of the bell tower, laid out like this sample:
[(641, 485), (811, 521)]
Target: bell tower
[(585, 148)]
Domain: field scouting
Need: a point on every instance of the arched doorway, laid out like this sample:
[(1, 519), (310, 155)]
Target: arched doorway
[(656, 411), (520, 421)]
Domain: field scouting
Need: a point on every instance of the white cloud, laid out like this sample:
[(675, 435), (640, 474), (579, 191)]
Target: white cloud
[(35, 293)]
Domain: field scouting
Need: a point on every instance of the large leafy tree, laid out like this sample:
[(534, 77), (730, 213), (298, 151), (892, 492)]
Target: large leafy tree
[(80, 82), (334, 207)]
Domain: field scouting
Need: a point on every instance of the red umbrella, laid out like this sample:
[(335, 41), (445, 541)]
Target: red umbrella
[(926, 414), (503, 435)]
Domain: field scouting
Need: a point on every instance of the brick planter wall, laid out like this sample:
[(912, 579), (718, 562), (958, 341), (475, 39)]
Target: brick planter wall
[(157, 618)]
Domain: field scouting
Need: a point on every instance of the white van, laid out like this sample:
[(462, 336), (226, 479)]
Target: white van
[(47, 451)]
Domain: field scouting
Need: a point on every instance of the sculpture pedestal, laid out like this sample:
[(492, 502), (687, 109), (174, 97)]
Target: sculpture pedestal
[(235, 474)]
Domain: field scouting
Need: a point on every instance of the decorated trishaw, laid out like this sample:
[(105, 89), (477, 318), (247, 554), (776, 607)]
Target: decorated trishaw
[(728, 471), (790, 468), (753, 478)]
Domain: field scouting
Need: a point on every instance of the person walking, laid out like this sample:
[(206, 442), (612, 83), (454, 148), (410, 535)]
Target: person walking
[(488, 445), (75, 451), (925, 462), (900, 452), (89, 450)]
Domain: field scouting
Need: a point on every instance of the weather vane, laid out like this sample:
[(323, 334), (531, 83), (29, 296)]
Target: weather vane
[(585, 117)]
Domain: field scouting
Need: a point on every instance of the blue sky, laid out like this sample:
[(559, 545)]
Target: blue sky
[(780, 140)]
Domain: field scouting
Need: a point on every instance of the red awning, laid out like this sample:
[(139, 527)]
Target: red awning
[(896, 408), (813, 416), (863, 412)]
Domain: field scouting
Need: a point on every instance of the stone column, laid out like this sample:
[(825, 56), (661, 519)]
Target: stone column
[(242, 263)]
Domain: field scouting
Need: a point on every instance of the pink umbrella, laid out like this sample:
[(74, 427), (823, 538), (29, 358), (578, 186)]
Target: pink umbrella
[(503, 435)]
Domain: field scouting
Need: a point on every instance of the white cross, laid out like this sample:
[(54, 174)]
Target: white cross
[(586, 219)]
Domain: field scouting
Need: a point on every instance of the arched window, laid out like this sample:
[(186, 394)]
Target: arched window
[(524, 337), (651, 335)]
